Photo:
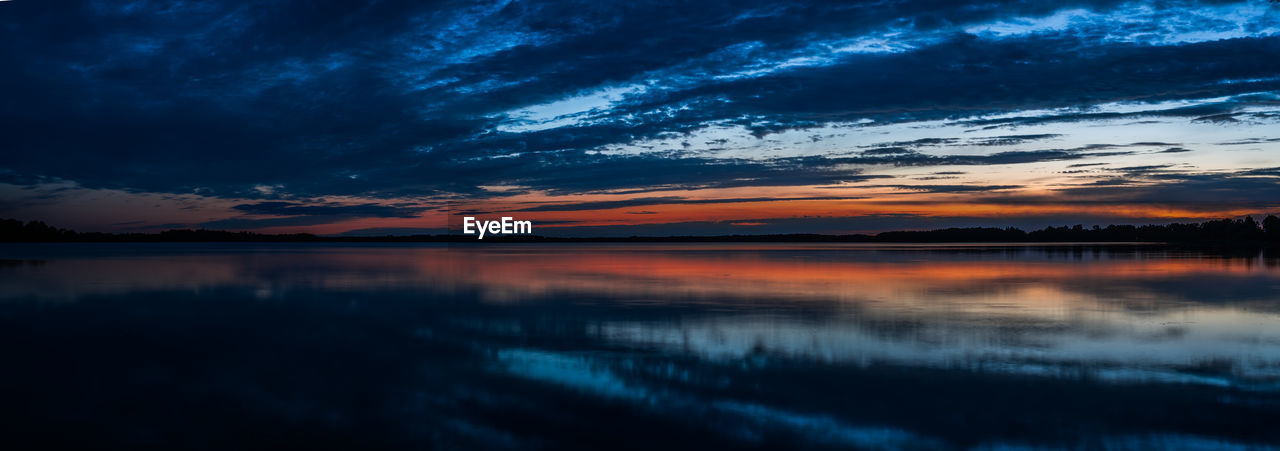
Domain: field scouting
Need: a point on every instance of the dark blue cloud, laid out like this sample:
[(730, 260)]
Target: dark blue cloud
[(1162, 184), (250, 223), (383, 231), (297, 209), (294, 214), (398, 98)]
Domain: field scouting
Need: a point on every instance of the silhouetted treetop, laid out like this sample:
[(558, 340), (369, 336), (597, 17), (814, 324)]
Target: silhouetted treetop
[(1222, 230)]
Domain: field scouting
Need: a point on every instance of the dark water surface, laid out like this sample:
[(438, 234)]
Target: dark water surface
[(637, 346)]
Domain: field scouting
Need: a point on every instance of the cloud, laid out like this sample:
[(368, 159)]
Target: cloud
[(1009, 140), (922, 142), (249, 223), (401, 231), (435, 100), (670, 200), (300, 214), (1161, 184), (888, 151), (953, 188), (300, 209), (574, 173)]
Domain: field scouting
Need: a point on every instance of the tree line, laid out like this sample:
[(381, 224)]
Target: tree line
[(1222, 230)]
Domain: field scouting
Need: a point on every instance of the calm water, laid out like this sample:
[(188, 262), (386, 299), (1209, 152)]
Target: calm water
[(638, 346)]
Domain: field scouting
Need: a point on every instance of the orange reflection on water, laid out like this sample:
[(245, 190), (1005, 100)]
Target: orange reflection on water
[(929, 304), (825, 272)]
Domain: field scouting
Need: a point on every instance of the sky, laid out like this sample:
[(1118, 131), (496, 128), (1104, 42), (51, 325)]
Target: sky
[(636, 118)]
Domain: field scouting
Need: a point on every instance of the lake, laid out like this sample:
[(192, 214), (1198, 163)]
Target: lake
[(647, 346)]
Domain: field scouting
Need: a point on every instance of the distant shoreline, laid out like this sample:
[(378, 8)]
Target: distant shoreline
[(1233, 232)]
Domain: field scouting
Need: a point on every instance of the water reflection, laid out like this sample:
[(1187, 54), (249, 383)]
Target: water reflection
[(697, 345)]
